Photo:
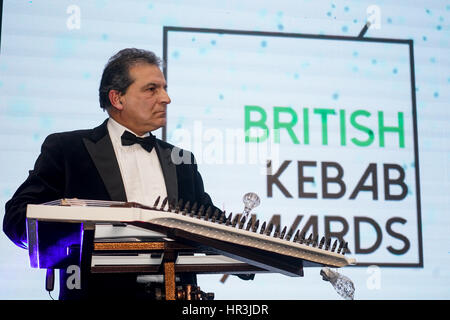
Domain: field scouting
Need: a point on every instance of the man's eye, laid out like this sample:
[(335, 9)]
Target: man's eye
[(151, 89)]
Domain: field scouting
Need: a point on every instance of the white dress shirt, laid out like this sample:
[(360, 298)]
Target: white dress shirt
[(141, 170)]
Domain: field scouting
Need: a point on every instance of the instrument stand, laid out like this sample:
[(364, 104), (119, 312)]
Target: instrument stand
[(168, 264), (170, 251)]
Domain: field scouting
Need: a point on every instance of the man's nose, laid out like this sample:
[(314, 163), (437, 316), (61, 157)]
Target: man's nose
[(165, 97)]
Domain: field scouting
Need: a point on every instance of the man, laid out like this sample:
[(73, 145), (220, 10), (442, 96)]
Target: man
[(119, 160)]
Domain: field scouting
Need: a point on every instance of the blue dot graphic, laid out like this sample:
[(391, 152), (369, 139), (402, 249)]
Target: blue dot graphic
[(264, 43), (335, 96), (344, 29), (436, 94), (394, 71)]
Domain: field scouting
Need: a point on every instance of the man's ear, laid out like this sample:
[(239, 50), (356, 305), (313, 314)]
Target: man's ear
[(115, 99)]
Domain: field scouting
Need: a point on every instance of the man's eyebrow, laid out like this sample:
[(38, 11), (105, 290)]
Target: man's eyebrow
[(155, 85)]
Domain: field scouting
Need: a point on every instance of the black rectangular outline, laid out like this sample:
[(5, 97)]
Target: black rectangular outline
[(1, 21), (409, 42)]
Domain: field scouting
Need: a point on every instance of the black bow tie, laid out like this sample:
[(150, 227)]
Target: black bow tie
[(147, 143)]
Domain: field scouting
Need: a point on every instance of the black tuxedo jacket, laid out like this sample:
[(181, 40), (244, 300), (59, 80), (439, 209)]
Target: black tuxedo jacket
[(82, 164)]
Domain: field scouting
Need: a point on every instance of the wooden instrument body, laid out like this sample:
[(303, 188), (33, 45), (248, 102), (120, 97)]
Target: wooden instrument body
[(200, 231)]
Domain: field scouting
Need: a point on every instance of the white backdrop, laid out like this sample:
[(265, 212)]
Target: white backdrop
[(53, 53)]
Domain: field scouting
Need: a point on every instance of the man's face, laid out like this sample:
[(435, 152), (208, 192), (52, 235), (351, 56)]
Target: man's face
[(144, 105)]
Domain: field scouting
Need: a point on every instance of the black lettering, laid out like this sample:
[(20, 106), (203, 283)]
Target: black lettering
[(399, 182), (326, 180), (397, 235), (273, 179), (340, 234), (294, 226), (275, 220), (358, 249), (312, 222), (371, 170), (302, 179)]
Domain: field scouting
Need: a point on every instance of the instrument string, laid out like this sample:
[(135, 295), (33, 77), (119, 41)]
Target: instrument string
[(83, 202)]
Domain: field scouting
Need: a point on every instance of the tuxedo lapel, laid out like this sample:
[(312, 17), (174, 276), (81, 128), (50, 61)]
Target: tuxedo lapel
[(169, 172), (101, 150)]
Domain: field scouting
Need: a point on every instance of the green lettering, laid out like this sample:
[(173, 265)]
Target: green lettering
[(261, 123), (306, 125), (370, 134), (343, 131), (277, 124), (324, 115), (400, 129)]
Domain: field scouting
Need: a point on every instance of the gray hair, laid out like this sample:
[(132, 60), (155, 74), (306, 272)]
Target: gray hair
[(116, 74)]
